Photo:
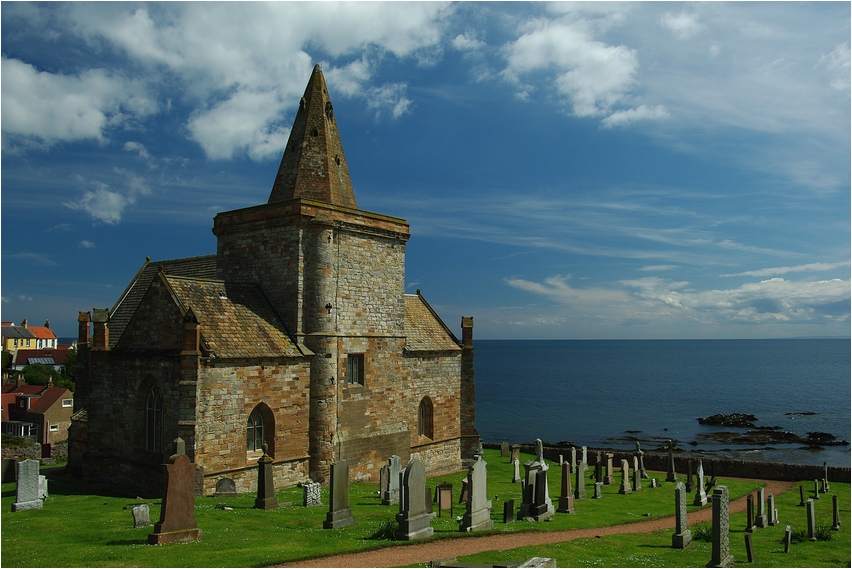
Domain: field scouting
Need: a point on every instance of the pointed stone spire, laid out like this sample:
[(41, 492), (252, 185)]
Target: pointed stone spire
[(313, 166)]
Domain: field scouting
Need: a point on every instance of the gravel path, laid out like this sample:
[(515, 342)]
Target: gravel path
[(410, 554)]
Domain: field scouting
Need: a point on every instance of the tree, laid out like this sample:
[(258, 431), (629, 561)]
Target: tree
[(7, 359)]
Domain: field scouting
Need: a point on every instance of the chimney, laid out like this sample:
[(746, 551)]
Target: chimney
[(100, 336), (83, 320), (24, 323), (47, 324), (191, 334), (50, 381), (467, 331)]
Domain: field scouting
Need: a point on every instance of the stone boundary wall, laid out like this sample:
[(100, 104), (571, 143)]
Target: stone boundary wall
[(722, 467), (58, 451)]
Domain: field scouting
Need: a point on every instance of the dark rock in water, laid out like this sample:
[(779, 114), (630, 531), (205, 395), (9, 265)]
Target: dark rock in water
[(821, 438), (729, 420), (802, 413)]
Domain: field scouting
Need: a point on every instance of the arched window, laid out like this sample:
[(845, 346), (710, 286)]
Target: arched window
[(154, 420), (254, 431), (424, 418)]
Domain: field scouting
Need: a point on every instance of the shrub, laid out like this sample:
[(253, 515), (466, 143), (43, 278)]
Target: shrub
[(387, 530), (702, 532)]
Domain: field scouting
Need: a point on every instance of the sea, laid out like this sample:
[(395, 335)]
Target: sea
[(610, 393)]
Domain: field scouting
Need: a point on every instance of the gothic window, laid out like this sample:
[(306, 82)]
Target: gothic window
[(355, 368), (424, 418), (254, 431), (154, 420)]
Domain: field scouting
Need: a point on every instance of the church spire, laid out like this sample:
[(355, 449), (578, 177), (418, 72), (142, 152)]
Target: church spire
[(313, 166)]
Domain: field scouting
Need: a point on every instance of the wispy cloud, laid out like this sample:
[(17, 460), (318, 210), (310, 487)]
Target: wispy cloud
[(775, 271)]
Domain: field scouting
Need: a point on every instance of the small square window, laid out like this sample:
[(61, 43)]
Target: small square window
[(54, 427), (355, 368)]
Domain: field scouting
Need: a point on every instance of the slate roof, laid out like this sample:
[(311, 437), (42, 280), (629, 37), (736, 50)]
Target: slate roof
[(17, 332), (128, 302), (237, 320), (424, 329)]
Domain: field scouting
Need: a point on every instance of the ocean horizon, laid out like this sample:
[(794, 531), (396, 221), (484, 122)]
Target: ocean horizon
[(610, 393)]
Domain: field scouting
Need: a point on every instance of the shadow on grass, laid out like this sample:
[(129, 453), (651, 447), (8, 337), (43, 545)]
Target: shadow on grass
[(648, 545), (8, 493), (128, 542)]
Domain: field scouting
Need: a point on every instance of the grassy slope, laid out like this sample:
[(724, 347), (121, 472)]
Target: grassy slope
[(94, 530)]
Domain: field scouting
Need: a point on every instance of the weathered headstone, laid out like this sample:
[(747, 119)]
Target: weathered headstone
[(761, 519), (477, 516), (573, 458), (27, 491), (682, 535), (392, 494), (225, 488), (637, 475), (566, 496), (516, 477), (42, 487), (809, 506), (141, 516), (266, 499), (672, 475), (585, 455), (640, 454), (609, 478), (311, 495), (516, 452), (720, 531), (625, 478), (700, 493), (580, 481), (749, 550), (750, 513), (508, 511), (177, 513), (505, 452), (772, 512), (689, 475), (835, 525), (598, 470), (541, 508), (464, 492), (444, 495), (655, 482), (339, 513), (816, 489), (598, 491), (801, 496), (413, 519), (825, 476), (561, 460), (788, 539), (384, 480)]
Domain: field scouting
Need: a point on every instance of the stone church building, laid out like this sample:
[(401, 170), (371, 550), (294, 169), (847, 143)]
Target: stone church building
[(297, 334)]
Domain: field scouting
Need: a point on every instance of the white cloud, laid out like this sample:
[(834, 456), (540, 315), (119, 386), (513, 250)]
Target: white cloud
[(643, 112), (107, 204), (774, 271), (84, 244), (837, 67), (467, 42), (682, 25), (557, 289), (138, 148)]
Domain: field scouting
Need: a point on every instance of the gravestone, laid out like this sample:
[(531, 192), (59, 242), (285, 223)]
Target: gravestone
[(689, 475), (598, 491), (177, 513), (339, 513), (835, 525), (640, 454), (824, 486), (394, 468), (609, 478), (516, 453), (311, 495), (749, 550), (384, 473), (655, 482), (444, 495), (816, 489), (541, 509), (413, 518), (749, 513), (801, 496), (530, 491), (42, 487), (464, 493), (788, 539), (637, 475), (141, 516), (580, 481), (761, 520), (505, 452), (508, 511), (573, 458), (825, 476), (598, 470), (625, 478), (26, 493), (700, 493), (566, 496), (772, 512), (585, 456), (809, 506), (225, 488), (721, 547), (516, 477), (477, 516), (266, 499), (672, 475), (682, 535)]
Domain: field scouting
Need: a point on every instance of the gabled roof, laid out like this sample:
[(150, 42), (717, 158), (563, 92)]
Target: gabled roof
[(237, 320), (17, 332), (58, 355), (48, 399), (424, 329), (313, 165), (125, 307), (42, 332)]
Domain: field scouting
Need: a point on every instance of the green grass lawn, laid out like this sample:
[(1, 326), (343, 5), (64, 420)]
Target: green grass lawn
[(96, 531)]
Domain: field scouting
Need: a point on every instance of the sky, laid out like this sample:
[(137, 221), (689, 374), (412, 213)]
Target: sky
[(569, 171)]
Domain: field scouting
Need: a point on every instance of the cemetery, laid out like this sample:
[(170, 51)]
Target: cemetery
[(310, 521)]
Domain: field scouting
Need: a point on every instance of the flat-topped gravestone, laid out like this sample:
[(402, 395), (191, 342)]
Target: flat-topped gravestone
[(749, 513), (141, 516), (477, 516), (771, 511), (225, 488), (8, 470), (682, 535), (311, 495), (444, 495), (689, 475), (637, 475), (809, 506), (672, 475), (609, 478), (625, 478), (835, 525), (177, 513), (720, 531), (339, 513), (394, 469), (761, 520), (700, 493), (505, 451), (508, 511), (384, 479), (516, 452), (580, 481), (413, 517), (265, 499), (516, 477), (27, 491), (566, 496), (42, 487)]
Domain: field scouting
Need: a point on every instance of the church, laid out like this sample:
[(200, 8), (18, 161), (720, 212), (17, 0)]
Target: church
[(297, 335)]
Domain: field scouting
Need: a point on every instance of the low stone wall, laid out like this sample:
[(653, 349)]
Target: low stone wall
[(721, 467), (58, 451)]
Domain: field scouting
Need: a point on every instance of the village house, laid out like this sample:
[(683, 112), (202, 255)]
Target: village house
[(297, 334), (38, 412), (28, 337)]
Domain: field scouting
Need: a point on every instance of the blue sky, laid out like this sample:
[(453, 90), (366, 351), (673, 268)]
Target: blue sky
[(594, 170)]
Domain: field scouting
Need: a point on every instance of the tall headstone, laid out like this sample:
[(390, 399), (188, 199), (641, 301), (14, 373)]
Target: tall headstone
[(637, 475), (809, 506), (508, 511), (689, 475), (625, 478), (672, 475), (444, 494), (609, 478), (816, 489), (772, 512), (265, 483), (566, 496), (835, 524), (573, 457), (384, 480), (801, 496), (505, 452), (788, 539), (640, 454), (516, 477), (339, 513), (720, 531), (42, 487), (749, 513), (477, 516), (700, 493), (392, 494), (516, 452), (26, 493), (598, 471), (541, 508), (580, 481), (749, 549), (413, 517), (177, 513), (585, 455), (761, 519), (598, 494), (825, 476), (682, 535)]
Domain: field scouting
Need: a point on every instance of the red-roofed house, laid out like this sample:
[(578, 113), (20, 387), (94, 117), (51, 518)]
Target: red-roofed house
[(37, 411), (54, 357)]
